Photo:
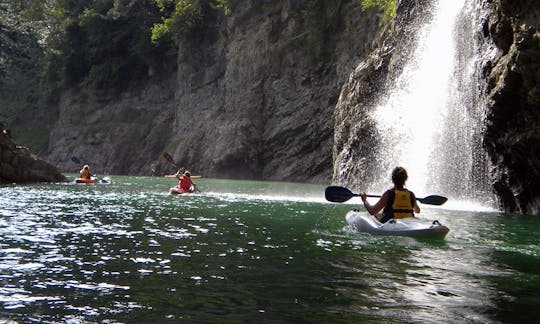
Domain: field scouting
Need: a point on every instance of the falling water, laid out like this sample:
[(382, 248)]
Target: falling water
[(432, 121)]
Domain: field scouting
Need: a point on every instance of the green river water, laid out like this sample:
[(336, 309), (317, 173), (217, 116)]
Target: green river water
[(247, 251)]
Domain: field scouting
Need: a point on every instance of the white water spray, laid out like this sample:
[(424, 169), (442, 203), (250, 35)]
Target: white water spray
[(431, 122)]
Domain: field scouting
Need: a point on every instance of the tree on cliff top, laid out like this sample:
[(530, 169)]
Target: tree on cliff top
[(110, 44), (180, 17), (103, 44)]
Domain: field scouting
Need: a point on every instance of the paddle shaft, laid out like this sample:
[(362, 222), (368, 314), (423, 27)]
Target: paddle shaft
[(430, 200), (174, 176), (341, 194), (369, 196)]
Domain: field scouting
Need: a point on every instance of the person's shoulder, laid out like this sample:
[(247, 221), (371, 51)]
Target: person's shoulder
[(387, 194), (411, 194)]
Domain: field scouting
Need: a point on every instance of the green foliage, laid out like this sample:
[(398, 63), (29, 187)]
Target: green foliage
[(101, 43), (221, 5), (388, 7), (20, 61), (107, 44), (184, 16), (180, 17)]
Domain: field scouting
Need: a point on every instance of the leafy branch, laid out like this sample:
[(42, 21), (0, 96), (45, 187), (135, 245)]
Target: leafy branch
[(388, 7)]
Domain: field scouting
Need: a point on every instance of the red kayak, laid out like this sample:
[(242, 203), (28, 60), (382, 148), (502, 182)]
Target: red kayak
[(178, 191), (87, 181)]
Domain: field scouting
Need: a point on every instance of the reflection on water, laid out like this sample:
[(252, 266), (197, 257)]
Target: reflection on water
[(245, 251)]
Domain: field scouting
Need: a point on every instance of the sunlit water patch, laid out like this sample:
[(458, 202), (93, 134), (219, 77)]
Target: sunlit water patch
[(245, 251)]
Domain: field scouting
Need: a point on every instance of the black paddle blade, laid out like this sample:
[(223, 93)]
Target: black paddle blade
[(338, 194), (75, 160), (433, 200)]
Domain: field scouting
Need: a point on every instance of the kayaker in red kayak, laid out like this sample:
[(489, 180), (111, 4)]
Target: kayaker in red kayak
[(397, 202), (185, 183)]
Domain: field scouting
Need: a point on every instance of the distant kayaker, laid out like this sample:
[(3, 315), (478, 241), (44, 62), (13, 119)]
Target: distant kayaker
[(397, 202), (185, 183), (85, 172)]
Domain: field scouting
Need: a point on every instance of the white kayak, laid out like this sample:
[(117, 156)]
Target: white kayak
[(411, 226)]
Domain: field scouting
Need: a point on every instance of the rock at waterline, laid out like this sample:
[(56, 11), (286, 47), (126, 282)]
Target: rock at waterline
[(18, 164)]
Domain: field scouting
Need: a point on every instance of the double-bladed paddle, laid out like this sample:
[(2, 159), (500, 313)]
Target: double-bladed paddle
[(341, 194)]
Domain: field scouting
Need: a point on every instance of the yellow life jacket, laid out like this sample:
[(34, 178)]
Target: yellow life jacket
[(402, 205)]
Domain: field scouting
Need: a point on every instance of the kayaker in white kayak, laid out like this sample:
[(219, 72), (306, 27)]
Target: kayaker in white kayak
[(397, 202)]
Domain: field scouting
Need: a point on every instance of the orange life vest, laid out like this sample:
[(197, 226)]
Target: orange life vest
[(85, 174)]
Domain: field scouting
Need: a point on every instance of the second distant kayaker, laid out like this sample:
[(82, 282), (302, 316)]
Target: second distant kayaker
[(397, 202), (85, 172)]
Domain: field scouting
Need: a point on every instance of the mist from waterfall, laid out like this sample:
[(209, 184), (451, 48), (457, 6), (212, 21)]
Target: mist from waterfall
[(431, 122)]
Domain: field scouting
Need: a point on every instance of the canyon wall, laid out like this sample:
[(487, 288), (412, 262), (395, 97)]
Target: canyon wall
[(513, 122), (252, 96)]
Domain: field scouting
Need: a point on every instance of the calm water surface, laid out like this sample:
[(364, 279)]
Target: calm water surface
[(250, 251)]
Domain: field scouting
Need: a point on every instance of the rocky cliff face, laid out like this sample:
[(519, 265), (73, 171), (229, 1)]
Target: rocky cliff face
[(249, 99), (115, 135), (17, 164), (355, 139), (513, 127), (510, 52)]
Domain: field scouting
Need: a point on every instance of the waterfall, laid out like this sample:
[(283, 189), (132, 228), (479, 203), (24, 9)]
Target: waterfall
[(432, 120)]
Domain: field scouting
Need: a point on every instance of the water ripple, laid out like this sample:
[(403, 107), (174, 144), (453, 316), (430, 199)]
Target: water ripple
[(131, 252)]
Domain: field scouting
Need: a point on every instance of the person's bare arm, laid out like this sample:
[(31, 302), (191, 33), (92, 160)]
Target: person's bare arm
[(379, 205), (416, 208)]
